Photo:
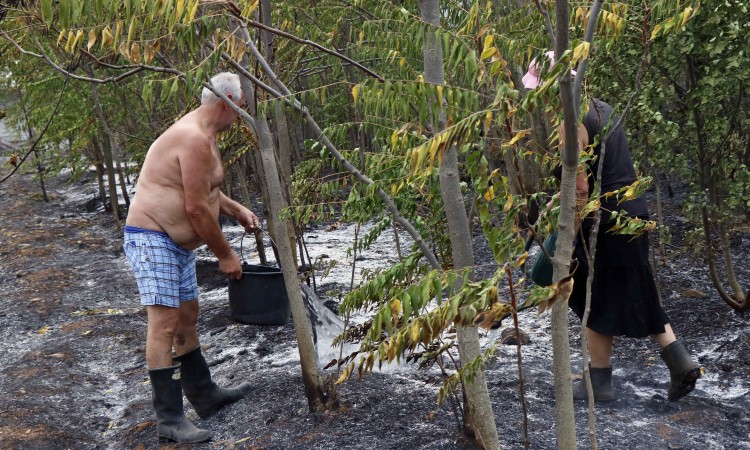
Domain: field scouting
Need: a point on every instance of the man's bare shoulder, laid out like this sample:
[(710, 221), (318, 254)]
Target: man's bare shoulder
[(184, 135)]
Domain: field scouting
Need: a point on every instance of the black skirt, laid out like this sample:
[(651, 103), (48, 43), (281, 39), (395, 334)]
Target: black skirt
[(624, 299)]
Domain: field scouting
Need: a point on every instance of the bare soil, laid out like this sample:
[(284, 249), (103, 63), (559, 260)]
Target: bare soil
[(72, 371)]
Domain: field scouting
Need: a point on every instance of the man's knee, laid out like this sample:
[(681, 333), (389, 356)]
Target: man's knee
[(163, 321), (188, 313)]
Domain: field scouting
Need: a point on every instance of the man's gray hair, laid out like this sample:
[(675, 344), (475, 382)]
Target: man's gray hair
[(225, 82)]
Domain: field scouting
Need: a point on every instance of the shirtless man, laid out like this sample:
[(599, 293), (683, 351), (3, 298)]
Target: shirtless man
[(175, 210)]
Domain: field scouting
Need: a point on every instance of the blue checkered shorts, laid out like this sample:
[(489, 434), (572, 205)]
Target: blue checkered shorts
[(164, 271)]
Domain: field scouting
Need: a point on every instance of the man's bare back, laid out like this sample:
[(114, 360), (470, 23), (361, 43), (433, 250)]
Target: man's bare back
[(159, 203)]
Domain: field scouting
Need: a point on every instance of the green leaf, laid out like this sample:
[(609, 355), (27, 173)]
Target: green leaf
[(47, 12)]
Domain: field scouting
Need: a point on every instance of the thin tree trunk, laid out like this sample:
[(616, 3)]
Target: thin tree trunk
[(316, 398), (565, 419), (97, 158), (39, 167), (285, 167), (123, 185), (106, 146), (479, 418)]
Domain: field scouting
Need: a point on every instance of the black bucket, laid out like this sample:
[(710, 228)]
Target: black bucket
[(260, 296)]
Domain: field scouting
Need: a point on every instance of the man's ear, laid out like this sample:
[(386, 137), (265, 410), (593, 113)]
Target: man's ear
[(226, 105)]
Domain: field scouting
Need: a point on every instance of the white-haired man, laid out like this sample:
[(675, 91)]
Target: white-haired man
[(176, 209)]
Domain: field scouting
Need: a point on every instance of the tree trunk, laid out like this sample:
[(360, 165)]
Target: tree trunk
[(249, 90), (565, 419), (285, 167), (479, 418), (106, 145), (316, 398), (123, 185)]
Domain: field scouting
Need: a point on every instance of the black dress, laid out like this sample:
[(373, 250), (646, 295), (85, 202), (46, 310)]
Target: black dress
[(624, 299)]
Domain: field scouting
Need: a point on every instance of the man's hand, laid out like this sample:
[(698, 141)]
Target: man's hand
[(231, 266), (248, 219)]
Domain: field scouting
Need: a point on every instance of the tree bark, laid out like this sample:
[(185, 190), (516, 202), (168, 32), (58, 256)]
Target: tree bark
[(565, 419), (479, 418), (316, 398), (106, 146)]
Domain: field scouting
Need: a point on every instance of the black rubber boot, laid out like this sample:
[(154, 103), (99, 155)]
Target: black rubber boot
[(171, 423), (684, 372), (601, 384), (205, 396)]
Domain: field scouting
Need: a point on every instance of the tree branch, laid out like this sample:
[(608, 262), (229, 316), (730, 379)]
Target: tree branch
[(44, 130), (238, 14), (588, 37)]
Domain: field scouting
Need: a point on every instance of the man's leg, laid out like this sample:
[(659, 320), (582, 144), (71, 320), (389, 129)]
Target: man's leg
[(162, 326), (186, 335), (205, 396)]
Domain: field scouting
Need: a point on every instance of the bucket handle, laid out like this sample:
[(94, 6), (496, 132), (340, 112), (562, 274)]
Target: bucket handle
[(273, 246)]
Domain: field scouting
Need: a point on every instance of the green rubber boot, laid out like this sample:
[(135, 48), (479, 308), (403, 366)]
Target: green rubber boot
[(171, 423), (205, 396), (601, 384), (683, 371)]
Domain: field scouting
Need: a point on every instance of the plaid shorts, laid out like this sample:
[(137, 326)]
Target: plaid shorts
[(164, 271)]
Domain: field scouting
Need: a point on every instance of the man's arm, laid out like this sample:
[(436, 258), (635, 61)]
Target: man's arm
[(244, 216), (195, 163)]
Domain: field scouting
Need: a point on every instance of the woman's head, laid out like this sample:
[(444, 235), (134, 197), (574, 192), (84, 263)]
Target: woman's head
[(533, 77)]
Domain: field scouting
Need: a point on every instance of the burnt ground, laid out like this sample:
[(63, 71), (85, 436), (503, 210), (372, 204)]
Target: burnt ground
[(72, 372)]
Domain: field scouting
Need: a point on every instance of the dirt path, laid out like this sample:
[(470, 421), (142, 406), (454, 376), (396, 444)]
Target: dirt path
[(72, 372)]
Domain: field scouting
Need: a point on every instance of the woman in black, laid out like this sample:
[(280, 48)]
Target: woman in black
[(624, 299)]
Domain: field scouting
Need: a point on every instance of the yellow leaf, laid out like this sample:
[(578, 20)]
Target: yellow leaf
[(107, 37), (361, 37), (148, 53), (489, 195), (508, 204), (581, 51), (86, 333), (488, 120), (124, 50), (135, 52), (439, 89), (415, 331), (655, 32), (79, 36), (70, 41), (179, 9), (487, 49), (521, 259), (355, 92), (396, 308), (401, 62), (191, 13), (344, 375), (61, 36), (92, 39), (629, 194), (131, 31), (520, 135), (118, 32), (43, 330), (686, 15)]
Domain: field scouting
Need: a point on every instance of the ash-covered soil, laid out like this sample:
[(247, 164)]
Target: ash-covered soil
[(72, 371)]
